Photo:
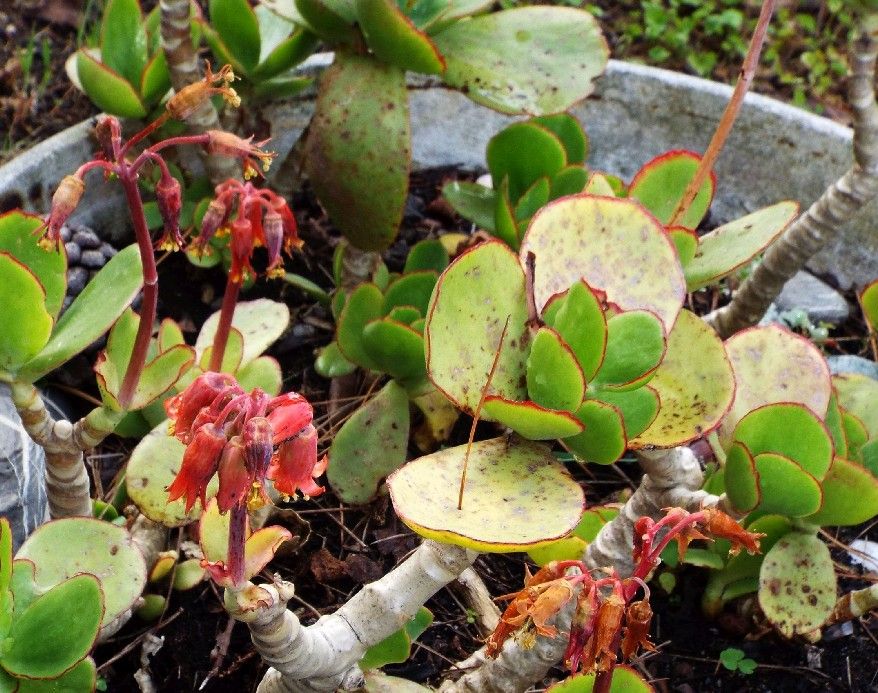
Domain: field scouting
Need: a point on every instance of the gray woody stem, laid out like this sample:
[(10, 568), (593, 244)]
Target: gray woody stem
[(324, 656), (183, 65), (838, 204), (67, 484), (672, 478)]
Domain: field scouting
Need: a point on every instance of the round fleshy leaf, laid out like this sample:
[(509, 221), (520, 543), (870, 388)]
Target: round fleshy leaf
[(261, 323), (362, 307), (370, 445), (64, 548), (771, 364), (603, 441), (49, 266), (509, 485), (733, 245), (554, 378), (395, 348), (568, 130), (844, 482), (394, 39), (660, 184), (741, 478), (797, 584), (686, 241), (330, 19), (152, 467), (263, 372), (767, 428), (55, 631), (571, 547), (472, 201), (82, 677), (869, 302), (855, 435), (358, 149), (412, 289), (638, 407), (530, 419), (694, 382), (531, 200), (108, 90), (835, 425), (635, 347), (570, 180), (857, 395), (612, 244), (472, 301), (25, 324), (598, 184), (428, 254), (123, 39), (785, 487), (535, 60), (580, 321), (625, 680), (525, 152), (405, 314)]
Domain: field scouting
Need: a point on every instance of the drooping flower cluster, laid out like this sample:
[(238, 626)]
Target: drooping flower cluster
[(253, 217), (245, 438), (607, 620)]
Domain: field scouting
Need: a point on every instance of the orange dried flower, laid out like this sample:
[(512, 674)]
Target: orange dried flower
[(718, 524), (637, 620), (190, 98)]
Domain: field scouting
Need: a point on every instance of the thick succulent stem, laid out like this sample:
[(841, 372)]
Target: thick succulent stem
[(182, 60), (672, 478), (67, 483), (324, 656), (837, 205), (854, 604)]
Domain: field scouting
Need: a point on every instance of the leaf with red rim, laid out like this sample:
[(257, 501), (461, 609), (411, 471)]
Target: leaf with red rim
[(741, 478), (635, 347), (614, 245), (845, 481), (578, 316), (394, 38), (661, 182), (529, 419), (603, 441), (785, 487), (554, 378)]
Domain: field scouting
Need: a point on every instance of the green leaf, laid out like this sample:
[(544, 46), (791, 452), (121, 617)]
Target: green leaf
[(625, 680), (855, 437), (525, 152), (80, 678), (397, 349), (220, 49), (472, 201), (741, 478), (261, 322), (771, 364), (156, 80), (785, 487), (472, 301), (503, 506), (529, 419), (363, 306), (844, 482), (63, 548), (107, 89), (123, 39), (396, 648), (581, 322), (324, 18), (660, 184), (394, 39), (603, 441), (411, 289), (570, 180), (630, 257), (635, 347), (358, 150), (554, 378), (236, 23), (5, 555), (638, 407), (232, 355), (686, 241), (49, 266), (331, 363), (695, 385), (428, 254), (869, 302), (536, 60), (55, 631), (733, 245), (505, 227), (25, 325), (287, 54), (262, 372), (92, 312), (766, 430), (533, 198), (570, 132), (370, 445), (857, 395), (797, 584)]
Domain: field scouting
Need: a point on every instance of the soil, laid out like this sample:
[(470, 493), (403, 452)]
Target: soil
[(339, 548)]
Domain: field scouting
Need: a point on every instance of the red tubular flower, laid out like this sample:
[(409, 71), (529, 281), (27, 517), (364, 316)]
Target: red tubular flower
[(213, 218), (295, 465), (183, 408), (273, 233), (235, 480), (288, 414), (200, 463), (242, 249), (169, 197)]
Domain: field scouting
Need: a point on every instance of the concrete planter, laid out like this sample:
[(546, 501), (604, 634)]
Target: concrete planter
[(775, 152)]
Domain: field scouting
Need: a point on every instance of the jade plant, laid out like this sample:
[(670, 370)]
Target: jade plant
[(380, 328)]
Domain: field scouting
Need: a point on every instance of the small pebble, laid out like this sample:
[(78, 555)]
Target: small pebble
[(77, 277), (85, 238), (66, 233), (93, 259), (74, 252), (107, 250)]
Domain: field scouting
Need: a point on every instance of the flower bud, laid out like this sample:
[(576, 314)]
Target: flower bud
[(234, 477), (273, 231), (242, 248), (64, 201), (257, 437), (184, 408), (169, 197), (108, 132), (213, 218)]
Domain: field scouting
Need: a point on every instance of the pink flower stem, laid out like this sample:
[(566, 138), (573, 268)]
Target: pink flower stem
[(237, 531), (227, 313), (148, 130), (146, 154)]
